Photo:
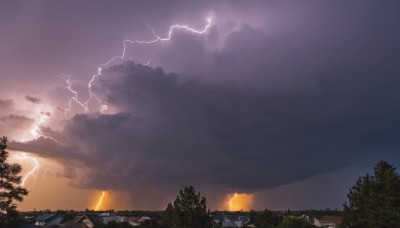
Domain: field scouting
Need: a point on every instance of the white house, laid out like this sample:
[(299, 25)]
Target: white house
[(328, 221)]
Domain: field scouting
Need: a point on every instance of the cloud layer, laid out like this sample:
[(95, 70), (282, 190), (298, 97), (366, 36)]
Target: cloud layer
[(273, 94), (172, 130)]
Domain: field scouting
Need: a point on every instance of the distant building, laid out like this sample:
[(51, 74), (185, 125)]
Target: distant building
[(328, 221), (83, 221), (80, 221), (231, 220), (133, 221), (144, 218), (48, 220), (111, 217)]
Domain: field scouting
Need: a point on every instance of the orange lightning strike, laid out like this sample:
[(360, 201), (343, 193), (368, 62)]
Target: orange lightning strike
[(33, 172), (231, 201), (30, 173), (100, 201)]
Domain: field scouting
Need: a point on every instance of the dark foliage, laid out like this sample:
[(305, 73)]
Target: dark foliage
[(188, 211), (295, 222), (267, 219), (10, 189), (374, 201)]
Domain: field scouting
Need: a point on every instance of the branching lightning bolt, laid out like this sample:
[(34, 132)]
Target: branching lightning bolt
[(126, 42), (74, 97), (158, 38), (84, 105)]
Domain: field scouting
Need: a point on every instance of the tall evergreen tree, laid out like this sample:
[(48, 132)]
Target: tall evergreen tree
[(10, 190), (374, 201), (189, 210)]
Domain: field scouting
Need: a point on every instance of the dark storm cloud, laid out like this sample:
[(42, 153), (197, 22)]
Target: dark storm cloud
[(274, 136), (279, 53), (46, 147), (273, 94), (34, 100), (176, 130)]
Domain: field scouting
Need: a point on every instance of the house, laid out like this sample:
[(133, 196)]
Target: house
[(83, 221), (144, 218), (328, 221), (48, 220), (133, 221), (110, 217), (231, 220), (94, 218), (79, 221)]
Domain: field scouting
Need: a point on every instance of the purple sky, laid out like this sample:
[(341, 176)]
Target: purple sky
[(288, 101)]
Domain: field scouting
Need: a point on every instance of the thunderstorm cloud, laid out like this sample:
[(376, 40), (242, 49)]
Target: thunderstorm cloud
[(272, 98)]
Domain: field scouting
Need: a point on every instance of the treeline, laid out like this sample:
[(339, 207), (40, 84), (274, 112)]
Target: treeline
[(288, 218)]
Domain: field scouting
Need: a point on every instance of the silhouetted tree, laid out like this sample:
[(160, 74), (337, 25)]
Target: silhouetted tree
[(149, 224), (295, 222), (171, 217), (374, 201), (10, 190), (189, 211), (267, 219)]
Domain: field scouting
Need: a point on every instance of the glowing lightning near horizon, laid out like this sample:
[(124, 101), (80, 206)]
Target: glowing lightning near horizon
[(100, 201), (231, 201), (126, 41)]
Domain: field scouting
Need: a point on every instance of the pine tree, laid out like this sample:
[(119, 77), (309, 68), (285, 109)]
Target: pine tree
[(189, 210), (375, 200), (170, 217), (10, 190)]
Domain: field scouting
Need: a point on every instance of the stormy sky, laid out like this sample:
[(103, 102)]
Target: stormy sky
[(286, 101)]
